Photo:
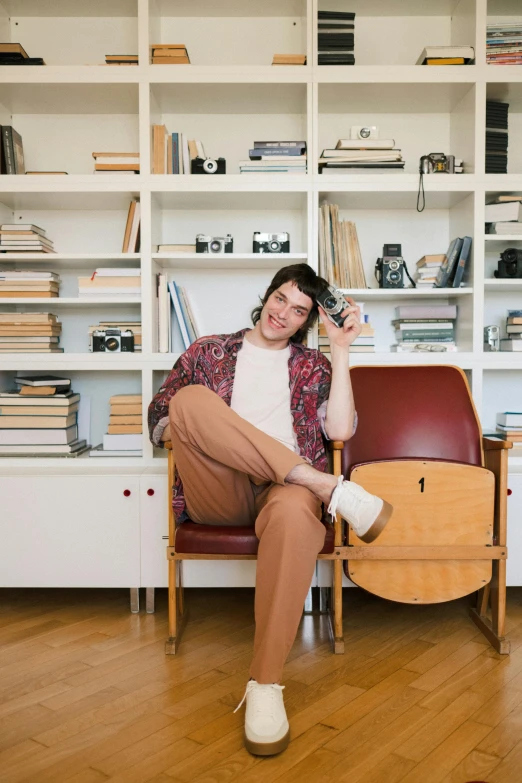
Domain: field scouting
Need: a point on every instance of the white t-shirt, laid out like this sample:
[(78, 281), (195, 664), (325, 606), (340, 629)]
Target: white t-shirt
[(261, 392)]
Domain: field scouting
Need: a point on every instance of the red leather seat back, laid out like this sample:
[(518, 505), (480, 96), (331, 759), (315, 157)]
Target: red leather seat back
[(412, 411)]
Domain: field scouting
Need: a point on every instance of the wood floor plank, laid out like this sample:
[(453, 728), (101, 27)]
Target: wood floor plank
[(509, 768), (449, 666), (475, 766)]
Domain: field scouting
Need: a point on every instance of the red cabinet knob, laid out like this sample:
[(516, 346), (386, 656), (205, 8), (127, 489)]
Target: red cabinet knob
[(510, 491), (150, 492), (126, 492)]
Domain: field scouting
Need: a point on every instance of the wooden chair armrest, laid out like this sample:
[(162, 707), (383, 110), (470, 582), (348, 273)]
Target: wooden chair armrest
[(336, 445), (168, 444), (494, 444)]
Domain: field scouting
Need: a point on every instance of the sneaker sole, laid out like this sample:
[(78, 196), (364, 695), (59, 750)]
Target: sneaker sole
[(379, 524), (267, 748)]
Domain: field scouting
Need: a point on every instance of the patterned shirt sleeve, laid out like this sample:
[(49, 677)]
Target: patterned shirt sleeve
[(325, 389), (181, 375)]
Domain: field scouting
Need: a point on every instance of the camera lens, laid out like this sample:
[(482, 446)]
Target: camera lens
[(274, 246), (111, 344), (210, 166), (509, 255), (394, 277), (330, 303), (215, 246), (364, 133), (394, 265)]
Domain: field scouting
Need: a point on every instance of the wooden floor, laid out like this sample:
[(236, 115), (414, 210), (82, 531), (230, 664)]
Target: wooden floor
[(87, 694)]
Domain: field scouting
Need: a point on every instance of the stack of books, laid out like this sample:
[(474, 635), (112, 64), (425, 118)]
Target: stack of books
[(121, 59), (340, 261), (281, 157), (15, 54), (125, 432), (505, 216), (172, 153), (427, 270), (29, 333), (496, 137), (11, 151), (25, 284), (509, 426), (39, 418), (24, 238), (175, 313), (456, 258), (425, 328), (106, 282), (364, 343), (289, 59), (335, 38), (513, 340), (447, 55), (504, 44), (133, 326), (169, 54), (116, 162), (362, 154), (131, 236)]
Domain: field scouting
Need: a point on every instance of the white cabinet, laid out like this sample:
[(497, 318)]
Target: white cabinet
[(514, 537), (154, 530), (69, 531)]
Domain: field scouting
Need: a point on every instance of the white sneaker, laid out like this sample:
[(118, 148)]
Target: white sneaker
[(266, 726), (367, 514)]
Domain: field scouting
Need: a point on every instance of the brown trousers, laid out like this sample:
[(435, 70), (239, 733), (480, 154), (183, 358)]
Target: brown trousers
[(233, 474)]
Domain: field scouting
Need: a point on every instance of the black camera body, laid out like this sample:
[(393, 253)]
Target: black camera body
[(389, 270), (437, 163), (271, 243), (333, 303), (112, 341), (208, 166), (208, 244), (510, 264)]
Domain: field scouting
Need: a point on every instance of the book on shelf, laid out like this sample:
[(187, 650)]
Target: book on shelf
[(467, 53), (275, 156), (497, 116), (503, 199), (37, 421), (503, 212), (340, 261), (174, 248), (13, 149), (169, 54), (121, 59), (510, 344), (335, 38), (39, 397), (119, 285), (176, 302), (445, 61), (124, 442), (510, 418), (506, 228), (430, 261), (164, 315), (449, 263), (42, 437), (36, 407), (462, 262), (72, 449), (504, 43), (24, 238), (126, 399), (99, 451), (42, 380), (424, 347), (46, 172), (425, 311), (131, 237), (289, 59)]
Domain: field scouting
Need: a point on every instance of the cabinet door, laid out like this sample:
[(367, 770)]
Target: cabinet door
[(69, 531), (514, 530), (154, 531)]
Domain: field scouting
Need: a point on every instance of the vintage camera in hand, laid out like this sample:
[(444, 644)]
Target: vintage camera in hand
[(510, 263), (271, 243), (437, 163), (389, 270), (208, 166), (208, 244), (112, 341), (333, 303)]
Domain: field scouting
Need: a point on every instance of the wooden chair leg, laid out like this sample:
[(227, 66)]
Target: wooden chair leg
[(177, 613), (335, 614), (493, 629)]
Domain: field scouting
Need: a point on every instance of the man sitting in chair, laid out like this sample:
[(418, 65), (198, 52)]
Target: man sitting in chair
[(246, 414)]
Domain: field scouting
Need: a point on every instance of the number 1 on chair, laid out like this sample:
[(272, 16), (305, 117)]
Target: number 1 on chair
[(421, 482)]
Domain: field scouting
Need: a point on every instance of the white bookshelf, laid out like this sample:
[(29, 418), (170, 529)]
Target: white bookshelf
[(229, 96)]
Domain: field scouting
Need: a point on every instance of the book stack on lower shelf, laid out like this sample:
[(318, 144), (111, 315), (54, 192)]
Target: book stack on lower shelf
[(280, 157), (124, 437), (447, 55), (116, 162), (427, 270), (40, 418), (335, 38), (29, 333), (26, 284), (24, 238), (169, 54), (509, 427), (364, 154), (504, 44), (504, 216), (107, 283), (420, 328), (513, 339), (496, 137), (15, 54)]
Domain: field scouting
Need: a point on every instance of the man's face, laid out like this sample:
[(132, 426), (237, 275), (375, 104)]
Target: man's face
[(285, 312)]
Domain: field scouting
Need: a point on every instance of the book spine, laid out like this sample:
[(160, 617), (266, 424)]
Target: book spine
[(426, 338), (175, 153), (462, 262), (7, 140), (280, 151), (272, 144)]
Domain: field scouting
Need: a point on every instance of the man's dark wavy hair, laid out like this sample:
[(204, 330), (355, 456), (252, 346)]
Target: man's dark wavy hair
[(307, 281)]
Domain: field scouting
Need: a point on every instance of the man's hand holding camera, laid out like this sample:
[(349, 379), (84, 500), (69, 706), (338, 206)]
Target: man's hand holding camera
[(342, 337)]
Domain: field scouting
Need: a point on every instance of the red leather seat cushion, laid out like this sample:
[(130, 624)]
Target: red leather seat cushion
[(192, 537)]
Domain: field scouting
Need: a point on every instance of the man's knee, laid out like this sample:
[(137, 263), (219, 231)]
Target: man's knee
[(187, 397)]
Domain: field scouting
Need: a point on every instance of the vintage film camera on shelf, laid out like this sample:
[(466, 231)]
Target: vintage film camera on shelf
[(208, 166), (390, 269), (510, 263), (491, 338), (439, 163), (271, 243), (112, 341), (208, 244), (333, 303), (364, 132)]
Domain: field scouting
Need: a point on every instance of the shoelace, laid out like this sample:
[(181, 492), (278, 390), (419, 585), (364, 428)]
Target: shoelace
[(253, 687), (334, 500)]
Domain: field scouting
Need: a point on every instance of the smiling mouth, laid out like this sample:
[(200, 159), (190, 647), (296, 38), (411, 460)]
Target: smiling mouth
[(275, 324)]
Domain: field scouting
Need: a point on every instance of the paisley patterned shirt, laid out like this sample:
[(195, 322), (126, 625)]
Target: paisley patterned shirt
[(211, 362)]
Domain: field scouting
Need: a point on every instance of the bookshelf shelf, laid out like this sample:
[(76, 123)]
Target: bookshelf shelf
[(230, 96)]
